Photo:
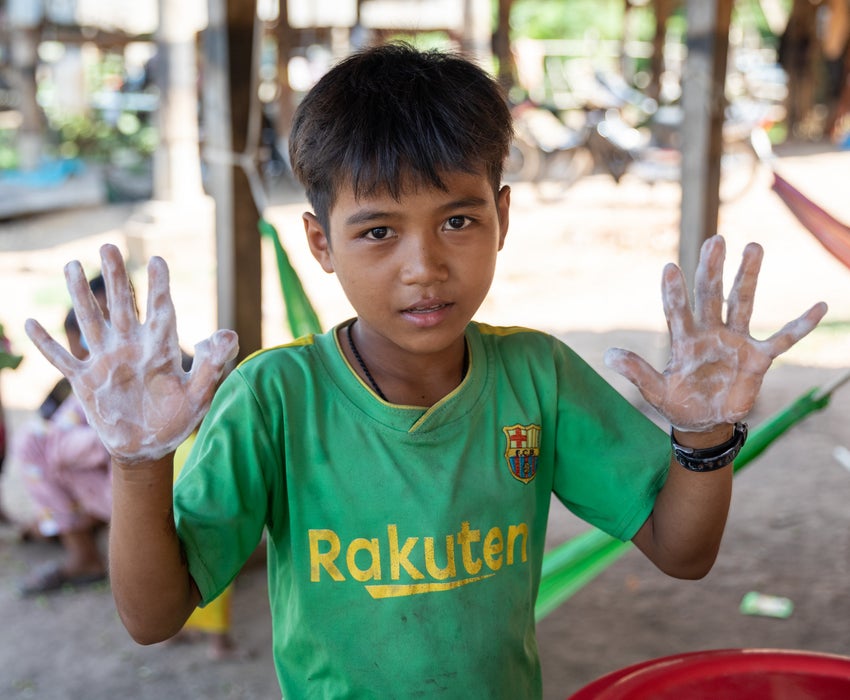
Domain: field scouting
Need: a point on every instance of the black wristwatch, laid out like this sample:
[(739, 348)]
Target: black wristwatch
[(709, 459)]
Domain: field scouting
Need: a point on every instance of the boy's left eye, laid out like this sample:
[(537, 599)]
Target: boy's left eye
[(456, 223)]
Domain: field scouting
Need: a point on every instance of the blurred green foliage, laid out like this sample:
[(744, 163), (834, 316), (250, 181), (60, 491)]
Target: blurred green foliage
[(92, 137), (567, 19), (603, 19), (99, 134), (116, 136)]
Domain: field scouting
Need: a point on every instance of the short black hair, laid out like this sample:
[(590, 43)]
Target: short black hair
[(391, 115), (97, 285)]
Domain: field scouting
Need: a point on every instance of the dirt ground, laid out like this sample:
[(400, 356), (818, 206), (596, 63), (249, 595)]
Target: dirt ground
[(588, 269)]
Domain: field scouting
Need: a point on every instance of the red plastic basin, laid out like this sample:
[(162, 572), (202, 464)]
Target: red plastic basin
[(736, 674)]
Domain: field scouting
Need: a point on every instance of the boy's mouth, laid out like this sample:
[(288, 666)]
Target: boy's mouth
[(428, 313), (426, 307)]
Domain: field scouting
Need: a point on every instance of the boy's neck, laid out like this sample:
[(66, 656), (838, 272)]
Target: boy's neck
[(410, 380)]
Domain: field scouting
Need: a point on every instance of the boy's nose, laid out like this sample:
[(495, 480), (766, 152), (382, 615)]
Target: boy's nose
[(424, 262)]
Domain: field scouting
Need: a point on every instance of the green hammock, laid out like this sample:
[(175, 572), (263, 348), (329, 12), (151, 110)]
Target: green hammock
[(300, 314)]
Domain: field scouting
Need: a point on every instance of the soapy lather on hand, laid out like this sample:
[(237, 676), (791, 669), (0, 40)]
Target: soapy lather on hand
[(716, 367), (132, 385)]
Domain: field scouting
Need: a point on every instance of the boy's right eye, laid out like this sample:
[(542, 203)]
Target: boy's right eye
[(378, 233)]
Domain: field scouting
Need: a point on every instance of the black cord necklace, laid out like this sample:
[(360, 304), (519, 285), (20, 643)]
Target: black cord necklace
[(368, 374), (361, 363)]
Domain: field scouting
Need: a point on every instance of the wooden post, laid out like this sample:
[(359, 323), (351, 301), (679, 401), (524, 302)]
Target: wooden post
[(502, 45), (177, 170), (703, 99), (799, 54), (286, 39), (663, 10), (24, 32), (228, 51)]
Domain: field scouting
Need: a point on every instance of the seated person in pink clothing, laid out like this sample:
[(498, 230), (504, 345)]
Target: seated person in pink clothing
[(68, 477), (8, 360)]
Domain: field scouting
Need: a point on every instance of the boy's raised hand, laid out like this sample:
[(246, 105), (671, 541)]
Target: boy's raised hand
[(132, 384), (716, 368)]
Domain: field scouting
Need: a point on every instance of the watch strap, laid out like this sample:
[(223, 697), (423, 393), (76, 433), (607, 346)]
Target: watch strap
[(709, 459)]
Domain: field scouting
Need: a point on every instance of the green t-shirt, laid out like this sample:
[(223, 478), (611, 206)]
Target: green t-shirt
[(405, 544)]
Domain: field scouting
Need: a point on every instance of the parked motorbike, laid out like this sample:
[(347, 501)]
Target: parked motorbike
[(553, 156)]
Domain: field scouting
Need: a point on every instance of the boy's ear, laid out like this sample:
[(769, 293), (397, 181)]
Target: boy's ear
[(503, 206), (318, 241)]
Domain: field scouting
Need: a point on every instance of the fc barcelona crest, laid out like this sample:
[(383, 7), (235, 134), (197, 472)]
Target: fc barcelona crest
[(522, 450)]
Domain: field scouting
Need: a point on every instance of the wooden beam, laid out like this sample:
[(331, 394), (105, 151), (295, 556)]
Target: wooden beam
[(228, 84), (704, 102), (104, 39)]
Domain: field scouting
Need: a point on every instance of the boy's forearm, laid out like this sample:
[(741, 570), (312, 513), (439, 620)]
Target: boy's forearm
[(153, 590), (682, 535)]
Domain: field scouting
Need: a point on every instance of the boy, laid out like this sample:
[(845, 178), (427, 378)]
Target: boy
[(403, 463)]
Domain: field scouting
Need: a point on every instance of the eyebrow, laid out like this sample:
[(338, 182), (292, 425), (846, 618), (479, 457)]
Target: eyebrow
[(365, 216), (368, 215), (466, 203)]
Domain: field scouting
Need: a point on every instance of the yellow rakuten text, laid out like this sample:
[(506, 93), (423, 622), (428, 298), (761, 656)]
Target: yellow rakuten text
[(389, 559)]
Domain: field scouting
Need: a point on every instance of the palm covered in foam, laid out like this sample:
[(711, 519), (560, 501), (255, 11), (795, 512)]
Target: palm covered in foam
[(132, 385), (716, 367)]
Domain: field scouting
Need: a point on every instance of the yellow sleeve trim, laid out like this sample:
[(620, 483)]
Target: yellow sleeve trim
[(299, 342), (486, 329)]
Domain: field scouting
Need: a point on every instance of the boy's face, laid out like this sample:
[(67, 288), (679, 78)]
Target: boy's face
[(415, 270)]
